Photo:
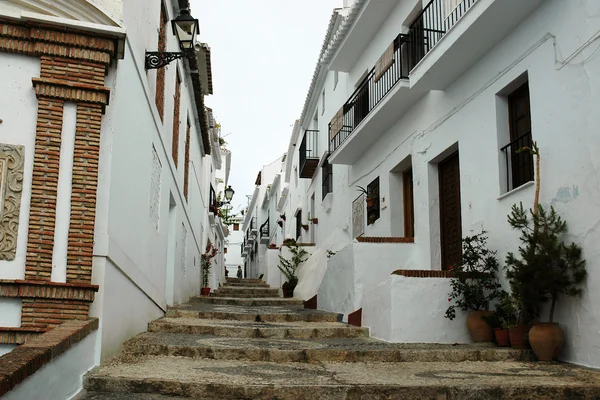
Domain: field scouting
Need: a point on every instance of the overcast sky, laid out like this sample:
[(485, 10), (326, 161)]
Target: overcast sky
[(263, 56)]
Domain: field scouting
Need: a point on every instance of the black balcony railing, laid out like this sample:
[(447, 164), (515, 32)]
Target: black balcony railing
[(424, 32), (431, 25), (264, 229), (370, 92), (519, 162), (309, 153), (212, 201)]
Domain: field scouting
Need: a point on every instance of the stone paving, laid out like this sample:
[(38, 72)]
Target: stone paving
[(208, 350)]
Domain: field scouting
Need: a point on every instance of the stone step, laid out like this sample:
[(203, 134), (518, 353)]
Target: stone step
[(313, 350), (238, 284), (246, 301), (123, 396), (247, 293), (249, 329), (225, 379), (244, 281), (283, 313)]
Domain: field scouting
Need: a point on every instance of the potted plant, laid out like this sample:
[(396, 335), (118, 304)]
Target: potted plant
[(474, 286), (545, 269), (288, 268), (206, 260), (272, 246), (504, 317), (369, 196), (305, 227), (280, 223), (282, 216)]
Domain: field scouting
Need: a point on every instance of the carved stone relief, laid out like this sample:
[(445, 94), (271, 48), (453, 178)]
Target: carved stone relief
[(358, 216), (11, 185)]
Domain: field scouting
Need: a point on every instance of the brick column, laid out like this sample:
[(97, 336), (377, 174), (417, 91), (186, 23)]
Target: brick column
[(83, 194), (44, 188)]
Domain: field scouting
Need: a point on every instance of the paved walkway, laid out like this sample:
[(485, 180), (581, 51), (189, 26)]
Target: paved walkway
[(232, 346)]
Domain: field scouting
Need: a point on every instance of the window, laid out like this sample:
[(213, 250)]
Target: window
[(176, 121), (336, 79), (160, 73), (225, 250), (327, 178), (373, 201), (299, 224), (323, 102), (409, 205), (186, 167), (236, 227), (519, 164)]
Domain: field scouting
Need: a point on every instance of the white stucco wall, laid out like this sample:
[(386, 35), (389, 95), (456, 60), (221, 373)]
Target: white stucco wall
[(466, 117), (61, 378), (273, 275), (411, 310)]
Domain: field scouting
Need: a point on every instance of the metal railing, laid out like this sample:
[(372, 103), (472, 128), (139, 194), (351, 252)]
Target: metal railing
[(212, 201), (409, 49), (431, 25), (309, 147), (370, 92), (327, 181), (264, 229), (519, 161)]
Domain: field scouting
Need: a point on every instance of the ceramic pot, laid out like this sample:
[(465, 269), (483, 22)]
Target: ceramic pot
[(479, 329), (546, 340), (518, 337), (370, 202), (205, 291), (288, 293), (502, 337)]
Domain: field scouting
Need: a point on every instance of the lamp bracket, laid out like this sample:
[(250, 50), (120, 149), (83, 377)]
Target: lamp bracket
[(159, 59)]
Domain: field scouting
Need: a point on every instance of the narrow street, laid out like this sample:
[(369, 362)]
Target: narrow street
[(214, 348)]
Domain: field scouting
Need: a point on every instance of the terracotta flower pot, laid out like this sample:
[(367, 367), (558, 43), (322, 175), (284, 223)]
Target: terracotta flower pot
[(546, 340), (479, 329), (205, 291), (370, 202), (518, 337), (502, 337)]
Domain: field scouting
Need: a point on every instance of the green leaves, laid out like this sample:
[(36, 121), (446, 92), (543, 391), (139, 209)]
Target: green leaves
[(288, 267), (476, 282)]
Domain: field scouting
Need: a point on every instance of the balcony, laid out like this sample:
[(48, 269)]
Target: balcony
[(441, 44), (449, 41), (265, 234), (309, 154), (369, 95)]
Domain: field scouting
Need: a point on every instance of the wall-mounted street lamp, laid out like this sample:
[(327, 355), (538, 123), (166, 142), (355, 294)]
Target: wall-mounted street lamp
[(186, 28)]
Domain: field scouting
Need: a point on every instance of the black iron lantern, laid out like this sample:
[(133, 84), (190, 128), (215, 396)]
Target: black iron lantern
[(185, 28), (229, 192)]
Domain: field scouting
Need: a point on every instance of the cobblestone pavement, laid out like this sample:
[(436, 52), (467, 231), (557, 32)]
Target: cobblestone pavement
[(269, 348)]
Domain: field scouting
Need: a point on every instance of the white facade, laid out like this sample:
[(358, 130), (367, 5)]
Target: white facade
[(454, 99), (149, 234)]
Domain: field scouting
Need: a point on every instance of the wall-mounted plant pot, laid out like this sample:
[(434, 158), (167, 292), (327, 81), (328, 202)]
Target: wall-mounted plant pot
[(315, 221), (205, 291), (305, 227), (370, 202), (280, 223)]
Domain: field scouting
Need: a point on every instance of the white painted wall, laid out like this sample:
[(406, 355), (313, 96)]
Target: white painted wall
[(61, 378), (411, 310), (18, 111), (465, 117)]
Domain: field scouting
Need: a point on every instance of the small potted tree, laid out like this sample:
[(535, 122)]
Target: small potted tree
[(288, 268), (474, 286), (545, 269), (206, 261), (369, 196)]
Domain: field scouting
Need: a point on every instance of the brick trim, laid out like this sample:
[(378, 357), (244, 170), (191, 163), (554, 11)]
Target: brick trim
[(71, 91), (19, 335), (422, 273), (80, 246), (47, 42), (25, 360), (47, 290), (44, 189), (372, 239)]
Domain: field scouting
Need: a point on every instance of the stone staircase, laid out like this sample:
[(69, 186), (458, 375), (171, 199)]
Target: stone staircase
[(242, 344)]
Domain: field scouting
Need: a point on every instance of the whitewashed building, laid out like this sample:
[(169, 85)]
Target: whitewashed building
[(424, 104), (106, 170)]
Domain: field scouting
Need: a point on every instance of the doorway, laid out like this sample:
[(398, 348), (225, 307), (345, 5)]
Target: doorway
[(450, 211)]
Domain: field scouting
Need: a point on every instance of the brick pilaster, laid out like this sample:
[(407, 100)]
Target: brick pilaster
[(83, 195), (44, 188)]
